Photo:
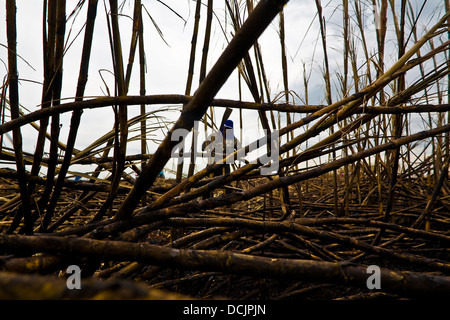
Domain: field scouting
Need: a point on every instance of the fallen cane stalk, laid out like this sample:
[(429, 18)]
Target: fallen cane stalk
[(410, 284)]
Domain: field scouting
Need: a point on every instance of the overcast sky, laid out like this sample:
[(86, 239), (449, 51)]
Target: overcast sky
[(167, 64)]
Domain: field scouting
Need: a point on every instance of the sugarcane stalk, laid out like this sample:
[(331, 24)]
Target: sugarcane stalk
[(11, 30), (76, 115)]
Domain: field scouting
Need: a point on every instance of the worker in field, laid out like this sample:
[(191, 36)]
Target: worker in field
[(221, 144)]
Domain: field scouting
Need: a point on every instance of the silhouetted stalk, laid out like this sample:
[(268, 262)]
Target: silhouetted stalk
[(142, 84), (13, 82), (397, 124), (121, 116), (381, 35), (76, 115), (447, 136), (347, 190), (59, 27), (49, 35), (190, 78), (328, 94), (203, 68)]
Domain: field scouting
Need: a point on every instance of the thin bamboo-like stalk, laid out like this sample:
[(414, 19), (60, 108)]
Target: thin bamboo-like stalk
[(11, 30), (49, 13), (142, 83), (121, 116), (346, 25), (58, 31), (381, 35), (284, 192), (76, 115), (202, 75), (193, 48), (225, 103), (397, 124), (328, 94), (190, 77), (447, 136)]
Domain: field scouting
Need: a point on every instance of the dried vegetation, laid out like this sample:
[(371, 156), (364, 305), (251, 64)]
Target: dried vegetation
[(373, 190)]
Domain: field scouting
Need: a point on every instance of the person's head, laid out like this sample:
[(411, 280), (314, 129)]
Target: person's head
[(228, 124)]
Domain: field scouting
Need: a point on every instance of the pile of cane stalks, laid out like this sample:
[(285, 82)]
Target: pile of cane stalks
[(253, 250)]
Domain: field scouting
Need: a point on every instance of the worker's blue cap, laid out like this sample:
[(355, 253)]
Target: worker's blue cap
[(228, 124)]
